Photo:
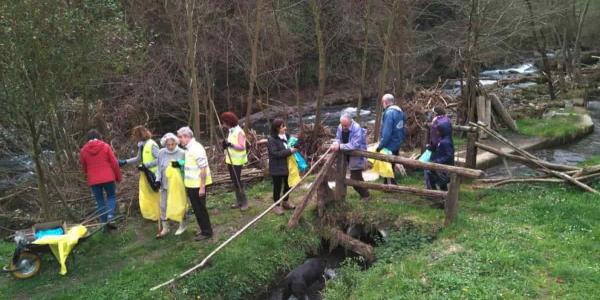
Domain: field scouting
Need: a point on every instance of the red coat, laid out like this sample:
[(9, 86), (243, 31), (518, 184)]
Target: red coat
[(99, 163)]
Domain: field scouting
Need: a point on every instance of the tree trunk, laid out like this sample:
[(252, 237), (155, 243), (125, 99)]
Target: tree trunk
[(384, 70), (36, 155), (192, 68), (363, 69), (540, 41), (298, 105), (577, 46), (322, 60), (254, 63)]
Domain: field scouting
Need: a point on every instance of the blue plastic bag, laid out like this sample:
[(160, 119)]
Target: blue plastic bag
[(302, 164), (426, 156)]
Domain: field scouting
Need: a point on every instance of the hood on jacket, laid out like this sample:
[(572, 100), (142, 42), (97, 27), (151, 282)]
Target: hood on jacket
[(394, 107), (94, 147), (444, 129)]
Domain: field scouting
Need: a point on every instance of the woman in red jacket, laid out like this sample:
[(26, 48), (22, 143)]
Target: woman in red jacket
[(102, 170)]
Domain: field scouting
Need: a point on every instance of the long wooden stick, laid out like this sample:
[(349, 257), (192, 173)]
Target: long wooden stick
[(536, 160), (239, 232)]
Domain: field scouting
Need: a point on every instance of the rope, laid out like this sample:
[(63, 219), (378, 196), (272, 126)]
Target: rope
[(239, 232)]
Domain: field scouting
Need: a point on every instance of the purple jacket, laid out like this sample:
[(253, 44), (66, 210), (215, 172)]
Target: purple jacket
[(357, 140), (434, 137)]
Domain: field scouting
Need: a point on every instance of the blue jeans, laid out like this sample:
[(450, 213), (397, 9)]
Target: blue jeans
[(107, 211)]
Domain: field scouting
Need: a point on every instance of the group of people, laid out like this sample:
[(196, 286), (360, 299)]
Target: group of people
[(170, 177), (351, 136), (179, 173)]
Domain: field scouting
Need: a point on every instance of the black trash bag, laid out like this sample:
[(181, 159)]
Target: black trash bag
[(151, 177)]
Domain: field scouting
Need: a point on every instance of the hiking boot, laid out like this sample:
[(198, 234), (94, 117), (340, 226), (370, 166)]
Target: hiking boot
[(244, 207), (278, 210), (287, 206), (235, 205), (202, 237)]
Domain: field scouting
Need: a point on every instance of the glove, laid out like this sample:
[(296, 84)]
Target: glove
[(379, 148), (226, 144), (121, 162), (175, 164), (428, 147)]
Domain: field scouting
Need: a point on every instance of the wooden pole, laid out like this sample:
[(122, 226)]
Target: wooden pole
[(397, 188), (348, 242), (313, 189), (451, 205), (502, 112), (239, 232), (415, 164), (524, 160), (471, 156)]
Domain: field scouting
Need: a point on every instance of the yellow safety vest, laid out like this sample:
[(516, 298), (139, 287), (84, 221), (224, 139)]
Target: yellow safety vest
[(238, 157), (191, 172), (147, 153)]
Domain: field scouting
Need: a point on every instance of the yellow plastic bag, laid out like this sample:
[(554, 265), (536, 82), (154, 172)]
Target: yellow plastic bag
[(149, 200), (293, 171), (177, 203), (384, 169), (61, 245)]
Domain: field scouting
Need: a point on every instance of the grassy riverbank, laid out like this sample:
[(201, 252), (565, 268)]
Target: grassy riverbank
[(539, 241)]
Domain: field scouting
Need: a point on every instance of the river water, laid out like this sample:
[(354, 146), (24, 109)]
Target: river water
[(570, 154)]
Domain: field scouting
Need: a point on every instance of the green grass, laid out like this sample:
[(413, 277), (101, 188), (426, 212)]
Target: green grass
[(514, 243), (592, 161), (125, 265), (558, 126)]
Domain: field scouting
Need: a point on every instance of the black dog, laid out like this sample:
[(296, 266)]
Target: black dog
[(302, 277)]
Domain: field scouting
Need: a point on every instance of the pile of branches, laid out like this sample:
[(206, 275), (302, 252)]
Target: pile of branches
[(415, 109), (313, 141), (552, 172)]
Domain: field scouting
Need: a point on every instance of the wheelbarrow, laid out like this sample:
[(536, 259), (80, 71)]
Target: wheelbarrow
[(26, 261)]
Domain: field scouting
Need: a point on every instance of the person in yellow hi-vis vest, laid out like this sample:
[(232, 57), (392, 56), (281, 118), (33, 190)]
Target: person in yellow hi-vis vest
[(235, 156), (196, 177), (173, 199), (147, 154)]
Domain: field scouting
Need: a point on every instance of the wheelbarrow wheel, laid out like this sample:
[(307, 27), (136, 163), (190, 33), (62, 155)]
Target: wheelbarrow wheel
[(27, 266)]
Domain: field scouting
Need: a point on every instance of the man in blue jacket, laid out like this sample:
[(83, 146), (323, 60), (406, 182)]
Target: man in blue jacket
[(350, 136), (391, 133), (442, 154)]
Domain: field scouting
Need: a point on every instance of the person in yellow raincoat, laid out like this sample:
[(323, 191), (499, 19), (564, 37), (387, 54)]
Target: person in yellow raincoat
[(173, 199), (280, 161), (149, 199)]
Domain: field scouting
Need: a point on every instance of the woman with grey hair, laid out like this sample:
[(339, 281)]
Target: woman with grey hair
[(173, 199)]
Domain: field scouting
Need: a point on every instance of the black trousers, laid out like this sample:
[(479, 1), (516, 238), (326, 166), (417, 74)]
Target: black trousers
[(235, 173), (279, 182), (200, 211), (357, 175), (393, 179)]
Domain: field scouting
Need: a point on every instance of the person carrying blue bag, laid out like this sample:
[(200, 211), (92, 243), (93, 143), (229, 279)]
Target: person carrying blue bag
[(443, 154), (279, 151)]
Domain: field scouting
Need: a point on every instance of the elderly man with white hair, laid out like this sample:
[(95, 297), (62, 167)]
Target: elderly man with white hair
[(391, 133), (196, 177), (350, 136)]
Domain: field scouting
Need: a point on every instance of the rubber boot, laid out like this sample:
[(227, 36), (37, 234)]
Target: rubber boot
[(182, 227)]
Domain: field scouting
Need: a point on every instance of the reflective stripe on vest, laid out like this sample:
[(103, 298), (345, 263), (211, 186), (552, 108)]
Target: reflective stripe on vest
[(147, 156), (239, 157), (191, 170)]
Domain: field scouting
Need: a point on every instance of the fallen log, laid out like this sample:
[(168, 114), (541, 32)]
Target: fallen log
[(415, 164), (528, 155), (397, 188), (502, 112), (350, 243)]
